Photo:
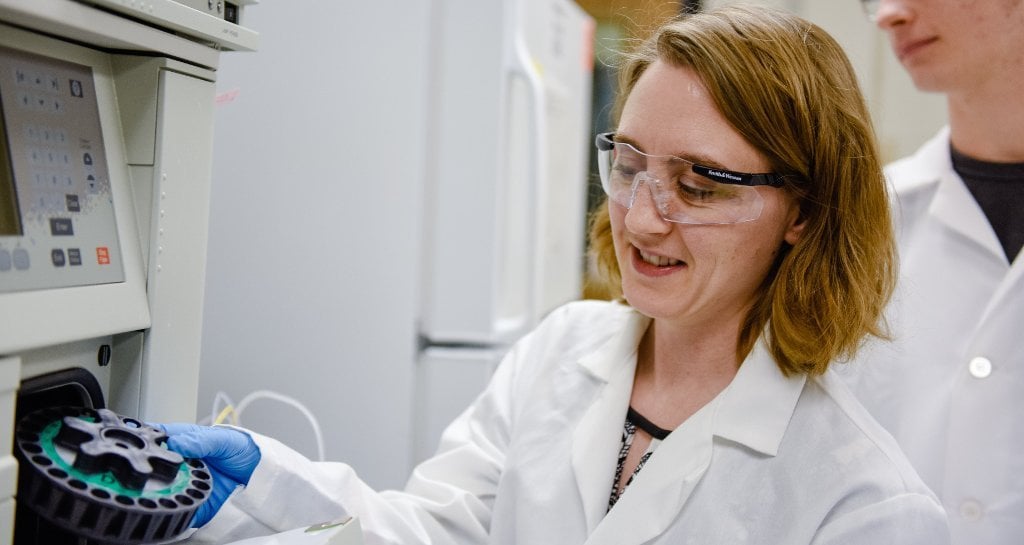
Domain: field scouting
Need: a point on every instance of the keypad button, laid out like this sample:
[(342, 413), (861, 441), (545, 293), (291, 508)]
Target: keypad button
[(61, 227), (21, 259), (57, 257)]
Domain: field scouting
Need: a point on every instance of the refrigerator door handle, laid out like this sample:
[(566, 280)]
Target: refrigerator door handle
[(522, 67)]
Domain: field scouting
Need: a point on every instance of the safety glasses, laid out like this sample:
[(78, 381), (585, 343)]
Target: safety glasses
[(683, 192)]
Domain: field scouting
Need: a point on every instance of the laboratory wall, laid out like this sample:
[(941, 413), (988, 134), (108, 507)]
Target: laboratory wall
[(311, 249)]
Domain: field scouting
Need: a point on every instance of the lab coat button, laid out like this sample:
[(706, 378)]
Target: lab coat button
[(980, 367), (971, 511)]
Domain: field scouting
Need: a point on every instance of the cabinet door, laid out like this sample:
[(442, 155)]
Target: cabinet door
[(448, 380)]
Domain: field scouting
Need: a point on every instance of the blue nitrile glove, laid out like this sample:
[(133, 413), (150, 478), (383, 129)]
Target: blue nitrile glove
[(230, 455)]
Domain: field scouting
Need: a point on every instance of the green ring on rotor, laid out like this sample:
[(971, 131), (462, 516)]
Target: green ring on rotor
[(106, 479)]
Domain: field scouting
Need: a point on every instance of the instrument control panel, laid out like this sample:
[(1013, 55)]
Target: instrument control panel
[(57, 223)]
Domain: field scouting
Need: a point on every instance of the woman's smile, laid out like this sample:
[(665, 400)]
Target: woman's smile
[(652, 264)]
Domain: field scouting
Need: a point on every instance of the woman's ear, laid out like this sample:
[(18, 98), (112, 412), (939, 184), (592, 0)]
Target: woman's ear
[(797, 221)]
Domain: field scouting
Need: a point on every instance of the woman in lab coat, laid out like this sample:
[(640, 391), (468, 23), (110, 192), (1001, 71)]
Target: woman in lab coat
[(747, 228)]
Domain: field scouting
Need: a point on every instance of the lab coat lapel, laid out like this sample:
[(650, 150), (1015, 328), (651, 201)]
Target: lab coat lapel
[(1012, 284), (952, 204), (657, 494), (598, 435), (955, 206), (754, 411)]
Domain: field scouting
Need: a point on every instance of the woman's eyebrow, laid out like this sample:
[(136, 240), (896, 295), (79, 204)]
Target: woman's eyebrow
[(697, 159)]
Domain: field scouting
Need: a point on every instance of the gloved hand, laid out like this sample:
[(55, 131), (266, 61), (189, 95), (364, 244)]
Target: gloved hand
[(229, 454)]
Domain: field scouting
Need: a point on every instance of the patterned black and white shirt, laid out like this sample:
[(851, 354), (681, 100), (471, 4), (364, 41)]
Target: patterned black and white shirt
[(633, 421)]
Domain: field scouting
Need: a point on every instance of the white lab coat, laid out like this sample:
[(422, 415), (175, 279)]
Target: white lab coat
[(771, 460), (958, 299)]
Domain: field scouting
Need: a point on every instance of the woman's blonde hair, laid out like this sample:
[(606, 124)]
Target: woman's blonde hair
[(788, 88)]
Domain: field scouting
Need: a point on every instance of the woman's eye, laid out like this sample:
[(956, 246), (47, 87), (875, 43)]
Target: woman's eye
[(697, 192), (694, 194), (624, 170)]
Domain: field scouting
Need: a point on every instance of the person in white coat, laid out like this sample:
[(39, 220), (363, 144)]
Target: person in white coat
[(747, 231), (950, 388)]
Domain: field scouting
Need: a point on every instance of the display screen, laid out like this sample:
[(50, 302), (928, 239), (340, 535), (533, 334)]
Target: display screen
[(10, 219)]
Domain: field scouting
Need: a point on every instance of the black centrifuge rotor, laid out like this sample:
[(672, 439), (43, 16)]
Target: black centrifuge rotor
[(106, 477)]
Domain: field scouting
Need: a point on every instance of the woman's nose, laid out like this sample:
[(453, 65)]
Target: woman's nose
[(644, 215)]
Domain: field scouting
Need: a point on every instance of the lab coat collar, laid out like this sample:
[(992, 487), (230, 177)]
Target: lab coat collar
[(608, 360), (596, 439), (757, 405), (754, 410), (952, 203), (927, 165), (955, 206)]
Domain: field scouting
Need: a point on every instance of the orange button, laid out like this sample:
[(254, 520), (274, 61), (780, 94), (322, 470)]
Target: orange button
[(102, 255)]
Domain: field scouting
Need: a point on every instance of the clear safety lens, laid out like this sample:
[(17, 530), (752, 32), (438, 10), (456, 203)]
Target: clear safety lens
[(681, 194)]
